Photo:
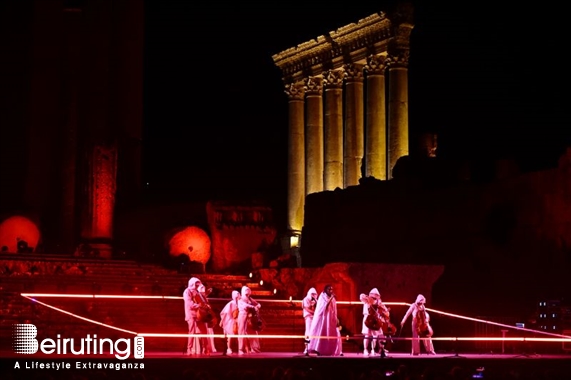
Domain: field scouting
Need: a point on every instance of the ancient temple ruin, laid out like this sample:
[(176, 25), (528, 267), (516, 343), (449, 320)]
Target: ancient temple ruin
[(348, 106)]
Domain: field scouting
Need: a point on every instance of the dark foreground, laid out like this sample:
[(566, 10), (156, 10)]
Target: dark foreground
[(289, 366)]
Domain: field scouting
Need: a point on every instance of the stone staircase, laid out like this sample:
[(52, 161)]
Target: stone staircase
[(57, 274), (161, 313)]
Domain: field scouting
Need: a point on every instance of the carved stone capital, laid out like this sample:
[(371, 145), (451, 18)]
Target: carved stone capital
[(314, 85), (376, 64), (401, 38), (354, 72), (295, 91), (398, 58), (333, 78)]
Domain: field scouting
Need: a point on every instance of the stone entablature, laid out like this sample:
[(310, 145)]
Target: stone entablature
[(376, 34), (370, 35)]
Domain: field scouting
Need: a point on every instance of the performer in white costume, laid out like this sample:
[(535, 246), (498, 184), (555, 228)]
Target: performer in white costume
[(420, 326), (325, 338), (308, 305)]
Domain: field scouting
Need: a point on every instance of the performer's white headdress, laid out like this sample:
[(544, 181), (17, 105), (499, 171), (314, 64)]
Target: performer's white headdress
[(192, 283), (375, 293)]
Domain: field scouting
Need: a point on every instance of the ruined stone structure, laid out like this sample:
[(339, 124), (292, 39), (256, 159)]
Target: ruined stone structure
[(238, 231), (339, 126), (73, 117), (504, 243)]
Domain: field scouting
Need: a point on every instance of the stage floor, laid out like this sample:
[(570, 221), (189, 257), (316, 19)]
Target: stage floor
[(267, 365), (352, 355)]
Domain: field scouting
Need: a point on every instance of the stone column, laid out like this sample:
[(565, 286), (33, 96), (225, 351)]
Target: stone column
[(128, 97), (376, 119), (398, 107), (333, 129), (314, 135), (71, 64), (354, 147), (296, 157), (97, 228)]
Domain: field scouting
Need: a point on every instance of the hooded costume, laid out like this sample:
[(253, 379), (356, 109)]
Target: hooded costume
[(248, 341), (372, 304), (308, 305), (418, 312), (229, 320), (324, 335), (195, 345), (189, 293)]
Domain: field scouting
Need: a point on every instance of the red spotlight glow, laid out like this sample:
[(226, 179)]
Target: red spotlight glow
[(18, 228), (191, 241)]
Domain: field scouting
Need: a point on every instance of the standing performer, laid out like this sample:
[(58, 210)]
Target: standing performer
[(248, 309), (308, 305), (229, 320), (420, 326), (325, 337), (375, 315), (210, 346), (192, 305)]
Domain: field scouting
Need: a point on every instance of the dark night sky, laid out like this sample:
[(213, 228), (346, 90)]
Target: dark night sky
[(492, 81)]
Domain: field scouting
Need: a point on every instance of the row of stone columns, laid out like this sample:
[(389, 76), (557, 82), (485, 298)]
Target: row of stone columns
[(334, 124)]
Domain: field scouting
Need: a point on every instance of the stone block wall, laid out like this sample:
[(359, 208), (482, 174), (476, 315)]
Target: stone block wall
[(504, 244), (395, 282)]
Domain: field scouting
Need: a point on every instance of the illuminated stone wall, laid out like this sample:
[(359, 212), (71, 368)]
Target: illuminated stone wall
[(511, 237), (396, 283), (238, 231)]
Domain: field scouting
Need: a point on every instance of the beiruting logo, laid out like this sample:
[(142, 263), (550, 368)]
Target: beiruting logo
[(25, 342)]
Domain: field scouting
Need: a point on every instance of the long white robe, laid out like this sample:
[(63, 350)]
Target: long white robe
[(324, 336), (227, 321), (248, 341), (194, 344), (414, 310), (308, 305)]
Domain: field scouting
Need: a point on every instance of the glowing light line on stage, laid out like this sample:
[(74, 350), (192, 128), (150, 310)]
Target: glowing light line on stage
[(31, 296), (270, 336), (59, 295), (78, 316), (290, 301), (28, 295), (356, 337), (496, 339), (496, 323)]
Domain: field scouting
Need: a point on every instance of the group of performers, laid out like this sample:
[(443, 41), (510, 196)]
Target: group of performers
[(323, 337), (241, 322), (240, 316)]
